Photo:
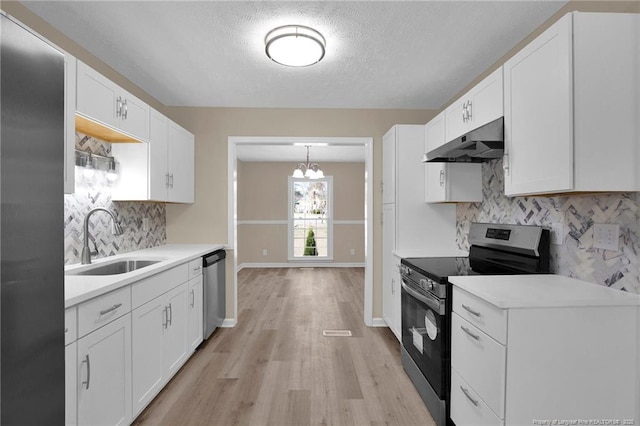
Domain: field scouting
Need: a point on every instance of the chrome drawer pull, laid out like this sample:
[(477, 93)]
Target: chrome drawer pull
[(165, 318), (86, 359), (111, 309), (466, 330), (471, 311), (466, 393)]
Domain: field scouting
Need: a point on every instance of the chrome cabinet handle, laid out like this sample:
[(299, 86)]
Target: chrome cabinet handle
[(505, 163), (88, 361), (469, 110), (170, 314), (464, 113), (165, 320), (441, 177), (193, 298), (393, 286), (171, 180), (466, 393), (466, 330), (126, 110), (111, 309), (118, 106), (471, 311)]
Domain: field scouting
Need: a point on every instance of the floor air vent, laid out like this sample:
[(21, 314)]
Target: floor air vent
[(336, 333)]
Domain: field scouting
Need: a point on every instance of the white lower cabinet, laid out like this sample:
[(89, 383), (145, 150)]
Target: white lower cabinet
[(70, 386), (196, 312), (134, 340), (104, 375), (537, 360)]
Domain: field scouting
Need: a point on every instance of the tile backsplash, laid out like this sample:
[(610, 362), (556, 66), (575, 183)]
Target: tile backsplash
[(576, 257), (96, 192)]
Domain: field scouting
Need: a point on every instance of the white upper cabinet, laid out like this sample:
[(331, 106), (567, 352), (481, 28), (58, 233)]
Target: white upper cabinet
[(389, 167), (162, 170), (101, 103), (448, 182), (479, 106), (572, 102)]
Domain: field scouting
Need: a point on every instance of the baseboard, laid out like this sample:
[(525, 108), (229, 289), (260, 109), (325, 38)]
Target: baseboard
[(300, 265), (229, 323), (378, 322)]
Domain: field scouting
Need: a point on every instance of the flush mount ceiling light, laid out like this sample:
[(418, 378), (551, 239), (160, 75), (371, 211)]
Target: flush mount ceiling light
[(308, 170), (295, 45)]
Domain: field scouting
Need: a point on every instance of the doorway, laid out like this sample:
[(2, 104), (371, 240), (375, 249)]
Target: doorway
[(237, 143)]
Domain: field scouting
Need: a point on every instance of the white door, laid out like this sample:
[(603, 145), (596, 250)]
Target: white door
[(149, 323), (434, 130), (104, 369), (389, 286), (389, 166), (455, 122), (181, 164), (96, 95), (135, 116), (175, 338), (158, 152), (538, 116), (195, 312), (71, 384)]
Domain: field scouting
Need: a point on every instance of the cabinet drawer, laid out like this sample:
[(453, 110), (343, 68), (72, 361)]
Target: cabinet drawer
[(70, 325), (102, 310), (488, 318), (195, 268), (480, 360), (156, 285), (467, 408)]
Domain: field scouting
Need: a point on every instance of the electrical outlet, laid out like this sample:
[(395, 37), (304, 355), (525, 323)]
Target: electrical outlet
[(353, 252), (264, 252), (557, 233), (606, 236)]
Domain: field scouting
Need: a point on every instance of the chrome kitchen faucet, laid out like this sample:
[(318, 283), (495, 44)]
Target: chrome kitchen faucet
[(115, 228)]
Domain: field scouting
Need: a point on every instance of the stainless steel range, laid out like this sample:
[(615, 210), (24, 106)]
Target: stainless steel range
[(426, 302)]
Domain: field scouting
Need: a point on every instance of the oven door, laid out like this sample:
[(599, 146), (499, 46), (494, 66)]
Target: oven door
[(425, 332)]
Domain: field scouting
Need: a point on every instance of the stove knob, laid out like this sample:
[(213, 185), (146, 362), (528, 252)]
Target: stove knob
[(432, 285)]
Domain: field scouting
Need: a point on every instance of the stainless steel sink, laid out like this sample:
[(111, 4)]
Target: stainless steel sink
[(115, 268)]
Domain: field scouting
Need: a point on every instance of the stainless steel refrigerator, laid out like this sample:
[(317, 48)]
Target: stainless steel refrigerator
[(31, 228)]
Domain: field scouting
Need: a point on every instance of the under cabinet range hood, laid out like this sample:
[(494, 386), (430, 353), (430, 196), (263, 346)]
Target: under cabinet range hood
[(482, 144)]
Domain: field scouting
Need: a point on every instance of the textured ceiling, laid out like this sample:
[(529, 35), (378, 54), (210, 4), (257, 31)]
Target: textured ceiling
[(396, 54)]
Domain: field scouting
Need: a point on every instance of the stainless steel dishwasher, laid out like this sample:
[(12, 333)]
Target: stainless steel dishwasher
[(214, 291)]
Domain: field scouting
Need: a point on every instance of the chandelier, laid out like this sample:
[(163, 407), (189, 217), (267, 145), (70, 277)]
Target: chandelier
[(308, 170)]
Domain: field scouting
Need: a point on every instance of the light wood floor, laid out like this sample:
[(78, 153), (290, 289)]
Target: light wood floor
[(276, 368)]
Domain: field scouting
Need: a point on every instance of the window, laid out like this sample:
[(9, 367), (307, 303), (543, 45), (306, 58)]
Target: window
[(311, 219)]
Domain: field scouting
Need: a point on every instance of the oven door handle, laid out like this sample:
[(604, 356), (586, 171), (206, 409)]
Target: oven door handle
[(428, 300)]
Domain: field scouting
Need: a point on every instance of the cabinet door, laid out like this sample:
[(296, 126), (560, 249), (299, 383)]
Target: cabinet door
[(175, 338), (96, 95), (389, 166), (104, 367), (71, 384), (434, 133), (195, 312), (181, 165), (455, 124), (135, 116), (149, 323), (158, 142), (538, 116), (434, 186), (396, 281), (486, 100), (389, 286), (69, 123)]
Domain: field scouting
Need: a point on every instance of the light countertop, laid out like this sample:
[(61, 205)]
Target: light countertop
[(79, 288), (540, 291)]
